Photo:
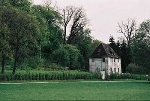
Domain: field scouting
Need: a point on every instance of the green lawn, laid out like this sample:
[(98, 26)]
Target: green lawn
[(133, 90)]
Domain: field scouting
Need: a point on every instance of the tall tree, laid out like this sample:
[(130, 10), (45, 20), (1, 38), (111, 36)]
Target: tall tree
[(83, 42), (94, 45), (23, 31), (70, 56), (68, 13), (21, 4), (125, 56), (128, 29), (5, 49), (51, 33), (141, 46), (79, 22)]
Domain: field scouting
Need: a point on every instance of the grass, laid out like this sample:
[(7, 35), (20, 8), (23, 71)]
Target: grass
[(133, 90)]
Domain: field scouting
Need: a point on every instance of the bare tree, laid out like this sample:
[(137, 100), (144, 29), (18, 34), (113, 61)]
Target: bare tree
[(127, 29), (68, 12), (79, 22)]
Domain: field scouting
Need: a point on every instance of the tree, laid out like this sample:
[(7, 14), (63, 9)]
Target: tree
[(123, 51), (23, 5), (4, 3), (94, 45), (141, 46), (5, 49), (68, 13), (83, 42), (51, 33), (70, 56), (128, 30), (23, 31), (125, 56), (79, 22)]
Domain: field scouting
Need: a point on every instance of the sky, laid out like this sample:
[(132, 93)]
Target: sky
[(104, 15)]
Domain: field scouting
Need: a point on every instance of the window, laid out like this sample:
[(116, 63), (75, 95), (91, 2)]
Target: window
[(103, 59), (115, 70), (92, 60), (118, 69), (114, 60), (118, 60)]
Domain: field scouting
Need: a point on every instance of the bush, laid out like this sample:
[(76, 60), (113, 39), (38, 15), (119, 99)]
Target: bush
[(135, 69), (127, 76), (54, 66), (51, 75)]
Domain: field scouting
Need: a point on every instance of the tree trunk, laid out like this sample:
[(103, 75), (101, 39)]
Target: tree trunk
[(3, 63), (14, 69), (15, 63), (65, 34)]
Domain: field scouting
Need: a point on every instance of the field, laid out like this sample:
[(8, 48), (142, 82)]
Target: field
[(76, 90)]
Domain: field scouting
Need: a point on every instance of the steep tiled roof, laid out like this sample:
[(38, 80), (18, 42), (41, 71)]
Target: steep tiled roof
[(104, 50)]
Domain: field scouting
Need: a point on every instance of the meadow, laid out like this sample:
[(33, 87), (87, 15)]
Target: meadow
[(76, 90)]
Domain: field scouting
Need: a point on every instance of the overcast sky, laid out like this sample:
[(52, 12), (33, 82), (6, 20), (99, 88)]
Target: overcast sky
[(104, 15)]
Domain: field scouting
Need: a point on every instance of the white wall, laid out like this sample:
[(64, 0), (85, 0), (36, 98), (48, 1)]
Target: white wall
[(114, 66), (97, 63), (106, 66)]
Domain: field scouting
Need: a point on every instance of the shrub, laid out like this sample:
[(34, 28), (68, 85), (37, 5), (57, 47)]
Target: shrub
[(51, 75), (127, 76), (135, 69)]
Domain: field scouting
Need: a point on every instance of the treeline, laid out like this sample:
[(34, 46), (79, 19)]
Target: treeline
[(35, 36), (134, 49)]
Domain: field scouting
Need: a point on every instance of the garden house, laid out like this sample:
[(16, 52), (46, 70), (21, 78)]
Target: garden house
[(104, 60)]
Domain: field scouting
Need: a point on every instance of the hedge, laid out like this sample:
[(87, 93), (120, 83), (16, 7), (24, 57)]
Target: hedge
[(56, 75)]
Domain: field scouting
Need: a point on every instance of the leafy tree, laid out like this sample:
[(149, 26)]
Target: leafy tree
[(23, 31), (94, 45), (83, 42), (21, 4), (5, 49), (125, 56), (4, 3), (141, 46), (51, 33), (67, 56), (123, 51), (112, 43)]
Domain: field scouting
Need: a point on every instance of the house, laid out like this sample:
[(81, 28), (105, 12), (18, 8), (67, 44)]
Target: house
[(104, 60)]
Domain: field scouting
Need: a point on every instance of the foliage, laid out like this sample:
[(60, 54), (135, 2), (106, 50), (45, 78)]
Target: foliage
[(23, 31), (32, 36), (94, 45), (23, 5), (134, 69), (123, 51), (70, 56), (141, 46), (127, 76), (5, 53), (51, 34), (49, 75)]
